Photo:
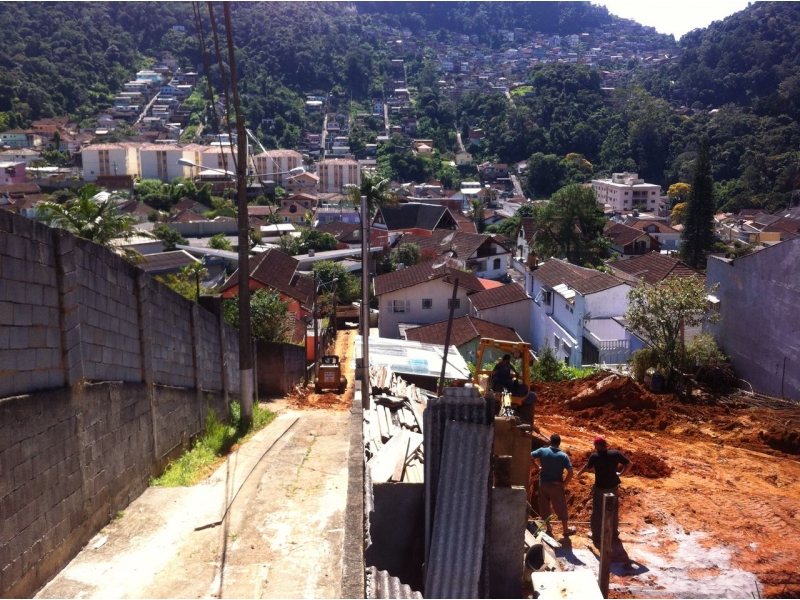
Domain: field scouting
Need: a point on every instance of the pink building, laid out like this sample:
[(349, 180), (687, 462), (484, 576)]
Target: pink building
[(12, 172)]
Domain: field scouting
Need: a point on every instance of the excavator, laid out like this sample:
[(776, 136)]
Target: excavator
[(514, 398)]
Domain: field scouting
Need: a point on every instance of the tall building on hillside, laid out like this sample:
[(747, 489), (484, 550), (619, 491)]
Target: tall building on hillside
[(336, 174), (110, 159), (625, 191), (276, 164)]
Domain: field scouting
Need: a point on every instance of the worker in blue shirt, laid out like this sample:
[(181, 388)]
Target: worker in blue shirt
[(553, 462)]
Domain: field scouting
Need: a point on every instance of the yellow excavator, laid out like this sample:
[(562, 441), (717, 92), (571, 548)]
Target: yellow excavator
[(513, 392)]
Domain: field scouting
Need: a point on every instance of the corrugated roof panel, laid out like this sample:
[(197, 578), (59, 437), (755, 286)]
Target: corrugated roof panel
[(456, 557), (382, 585), (457, 404)]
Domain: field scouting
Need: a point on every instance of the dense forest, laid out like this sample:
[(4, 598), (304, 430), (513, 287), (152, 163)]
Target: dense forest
[(738, 82)]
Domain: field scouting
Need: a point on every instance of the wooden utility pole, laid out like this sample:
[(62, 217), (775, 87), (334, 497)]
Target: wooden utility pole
[(447, 335), (606, 541), (245, 345)]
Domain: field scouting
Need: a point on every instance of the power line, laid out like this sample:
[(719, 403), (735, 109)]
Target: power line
[(224, 86)]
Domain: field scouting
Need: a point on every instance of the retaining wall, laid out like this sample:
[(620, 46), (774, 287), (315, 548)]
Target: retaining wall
[(279, 367), (105, 374)]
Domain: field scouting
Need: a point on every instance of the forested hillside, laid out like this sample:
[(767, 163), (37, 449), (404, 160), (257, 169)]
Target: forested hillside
[(737, 82)]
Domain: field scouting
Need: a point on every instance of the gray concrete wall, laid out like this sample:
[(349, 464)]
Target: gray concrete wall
[(71, 460), (74, 452), (279, 367), (759, 298)]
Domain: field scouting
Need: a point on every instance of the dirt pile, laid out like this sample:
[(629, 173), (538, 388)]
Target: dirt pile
[(621, 392)]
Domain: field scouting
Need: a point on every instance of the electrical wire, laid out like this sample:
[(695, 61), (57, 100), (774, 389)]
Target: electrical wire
[(224, 87)]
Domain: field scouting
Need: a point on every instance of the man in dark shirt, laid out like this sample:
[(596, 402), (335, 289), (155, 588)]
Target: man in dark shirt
[(606, 481), (501, 374)]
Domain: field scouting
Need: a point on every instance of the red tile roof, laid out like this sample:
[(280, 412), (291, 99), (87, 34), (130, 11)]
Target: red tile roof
[(642, 225), (653, 267), (277, 270), (555, 272), (186, 216), (498, 296), (423, 273), (622, 235), (462, 244), (464, 330)]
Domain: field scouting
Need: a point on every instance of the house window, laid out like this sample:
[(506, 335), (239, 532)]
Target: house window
[(427, 303), (547, 297), (496, 263), (713, 303), (399, 306), (456, 304)]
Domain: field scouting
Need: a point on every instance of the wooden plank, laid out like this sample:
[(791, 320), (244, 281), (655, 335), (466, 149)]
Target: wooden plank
[(400, 464), (382, 425), (606, 541), (382, 465), (417, 414)]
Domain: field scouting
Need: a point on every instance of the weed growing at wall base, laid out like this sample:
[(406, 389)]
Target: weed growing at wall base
[(217, 441)]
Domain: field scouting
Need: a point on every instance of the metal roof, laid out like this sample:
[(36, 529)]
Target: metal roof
[(382, 585), (459, 530), (414, 358)]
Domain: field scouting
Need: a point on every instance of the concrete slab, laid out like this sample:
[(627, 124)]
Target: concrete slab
[(563, 585), (506, 541)]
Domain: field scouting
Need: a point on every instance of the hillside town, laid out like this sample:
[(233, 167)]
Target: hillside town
[(232, 366)]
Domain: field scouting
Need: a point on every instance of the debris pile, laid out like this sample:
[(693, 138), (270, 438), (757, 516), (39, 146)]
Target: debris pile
[(393, 428)]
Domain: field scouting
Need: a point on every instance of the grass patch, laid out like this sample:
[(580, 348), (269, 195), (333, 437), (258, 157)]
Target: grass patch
[(217, 441)]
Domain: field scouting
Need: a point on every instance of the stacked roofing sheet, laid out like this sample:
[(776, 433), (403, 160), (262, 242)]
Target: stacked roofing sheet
[(381, 585)]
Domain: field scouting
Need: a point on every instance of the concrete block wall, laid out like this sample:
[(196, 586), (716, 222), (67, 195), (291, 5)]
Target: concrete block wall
[(172, 343), (109, 316), (30, 331), (230, 358), (210, 364), (279, 366)]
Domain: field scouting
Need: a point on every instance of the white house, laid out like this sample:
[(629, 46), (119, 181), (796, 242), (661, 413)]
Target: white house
[(420, 295), (669, 238), (478, 252), (507, 305), (578, 312)]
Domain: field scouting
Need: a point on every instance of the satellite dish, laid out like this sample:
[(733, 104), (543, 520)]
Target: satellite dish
[(447, 239)]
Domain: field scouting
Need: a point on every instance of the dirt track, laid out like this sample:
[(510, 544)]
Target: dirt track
[(713, 499), (301, 399)]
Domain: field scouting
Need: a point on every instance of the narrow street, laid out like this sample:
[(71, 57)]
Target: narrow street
[(281, 536)]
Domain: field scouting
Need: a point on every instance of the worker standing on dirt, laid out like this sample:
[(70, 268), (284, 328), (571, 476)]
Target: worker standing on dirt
[(553, 462), (605, 463)]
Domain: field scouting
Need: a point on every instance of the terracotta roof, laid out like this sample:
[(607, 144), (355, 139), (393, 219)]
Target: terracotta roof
[(643, 224), (277, 153), (555, 272), (527, 225), (293, 209), (339, 229), (653, 267), (622, 235), (423, 273), (489, 284), (498, 296), (464, 330), (186, 216), (189, 204), (261, 211), (783, 225), (463, 244), (301, 197), (277, 270), (135, 208), (20, 188)]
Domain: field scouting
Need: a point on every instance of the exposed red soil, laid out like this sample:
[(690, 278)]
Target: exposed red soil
[(307, 399), (722, 466)]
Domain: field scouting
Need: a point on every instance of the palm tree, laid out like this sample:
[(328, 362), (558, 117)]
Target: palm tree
[(95, 220), (198, 271), (375, 188)]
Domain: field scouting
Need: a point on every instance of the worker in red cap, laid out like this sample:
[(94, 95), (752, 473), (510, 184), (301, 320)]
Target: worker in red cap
[(605, 463)]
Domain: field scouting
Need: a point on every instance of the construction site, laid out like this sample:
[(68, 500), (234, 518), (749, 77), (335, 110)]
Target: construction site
[(408, 493)]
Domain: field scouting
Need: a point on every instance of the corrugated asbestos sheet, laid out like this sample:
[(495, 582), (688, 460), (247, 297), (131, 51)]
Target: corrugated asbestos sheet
[(465, 405), (456, 558), (381, 585)]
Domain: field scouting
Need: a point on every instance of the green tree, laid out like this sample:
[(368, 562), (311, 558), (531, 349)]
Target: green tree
[(543, 175), (375, 188), (170, 237), (548, 367), (658, 314), (197, 272), (572, 226), (697, 237), (95, 220), (269, 316), (478, 215), (348, 287), (407, 254), (219, 242)]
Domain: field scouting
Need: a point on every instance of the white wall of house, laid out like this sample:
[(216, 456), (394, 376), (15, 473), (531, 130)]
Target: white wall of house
[(437, 291), (516, 316), (492, 267), (612, 302)]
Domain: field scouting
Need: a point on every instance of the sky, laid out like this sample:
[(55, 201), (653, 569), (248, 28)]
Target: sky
[(677, 17)]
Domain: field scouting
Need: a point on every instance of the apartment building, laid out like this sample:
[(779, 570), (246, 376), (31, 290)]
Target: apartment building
[(335, 175), (160, 161), (276, 164), (625, 191), (110, 159)]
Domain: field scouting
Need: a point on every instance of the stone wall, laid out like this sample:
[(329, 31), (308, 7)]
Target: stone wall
[(105, 374)]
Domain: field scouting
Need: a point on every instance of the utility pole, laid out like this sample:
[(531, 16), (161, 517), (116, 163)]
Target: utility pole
[(245, 345), (316, 327), (365, 387)]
